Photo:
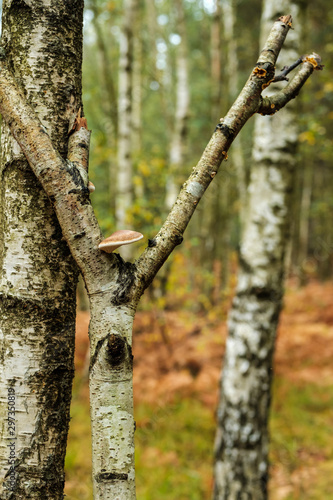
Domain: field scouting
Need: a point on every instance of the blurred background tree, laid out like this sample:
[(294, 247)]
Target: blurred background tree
[(216, 41)]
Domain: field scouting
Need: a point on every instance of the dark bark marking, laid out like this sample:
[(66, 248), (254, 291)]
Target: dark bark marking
[(178, 239), (152, 243), (79, 235), (226, 131), (118, 350), (125, 281), (111, 476), (96, 352)]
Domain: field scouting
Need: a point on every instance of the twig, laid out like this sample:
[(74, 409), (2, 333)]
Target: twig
[(287, 69)]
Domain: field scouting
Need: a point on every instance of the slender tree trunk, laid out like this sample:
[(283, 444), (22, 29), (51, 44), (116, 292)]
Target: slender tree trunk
[(110, 107), (38, 278), (137, 85), (237, 159), (304, 215), (111, 396), (106, 70), (241, 448), (216, 59), (125, 167), (179, 136), (160, 73)]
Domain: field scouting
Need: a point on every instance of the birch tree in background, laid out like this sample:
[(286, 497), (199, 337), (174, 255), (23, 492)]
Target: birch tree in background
[(38, 274), (241, 448), (160, 69), (108, 88), (109, 97), (125, 104), (229, 16), (137, 88), (215, 55), (217, 214), (114, 286), (179, 135)]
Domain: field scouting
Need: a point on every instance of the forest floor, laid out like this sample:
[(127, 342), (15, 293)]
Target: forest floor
[(177, 363)]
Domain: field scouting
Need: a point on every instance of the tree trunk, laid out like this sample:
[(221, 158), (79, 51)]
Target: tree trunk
[(237, 159), (241, 448), (109, 91), (38, 279), (137, 85), (125, 167), (159, 72), (178, 140), (110, 104), (111, 396), (114, 286), (216, 59), (304, 216)]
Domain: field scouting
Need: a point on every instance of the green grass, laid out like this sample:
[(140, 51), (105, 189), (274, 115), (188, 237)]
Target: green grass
[(174, 449), (301, 418), (78, 457), (301, 427), (174, 446)]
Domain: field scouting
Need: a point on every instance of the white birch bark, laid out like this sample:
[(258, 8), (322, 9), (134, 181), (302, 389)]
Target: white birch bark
[(228, 19), (137, 87), (114, 286), (38, 274), (125, 170), (111, 395), (215, 55), (108, 90), (160, 72), (241, 448)]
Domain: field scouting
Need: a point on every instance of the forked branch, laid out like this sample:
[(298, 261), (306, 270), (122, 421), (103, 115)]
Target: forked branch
[(66, 189), (250, 101)]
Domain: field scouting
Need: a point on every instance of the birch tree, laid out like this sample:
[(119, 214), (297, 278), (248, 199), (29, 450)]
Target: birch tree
[(108, 88), (125, 104), (114, 286), (241, 447), (232, 71), (38, 274), (178, 139)]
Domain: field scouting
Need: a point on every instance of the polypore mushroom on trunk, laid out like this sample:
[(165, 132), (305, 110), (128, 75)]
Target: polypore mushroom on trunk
[(91, 187), (119, 238)]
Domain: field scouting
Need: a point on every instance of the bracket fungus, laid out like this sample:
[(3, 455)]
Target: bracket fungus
[(119, 238), (91, 187)]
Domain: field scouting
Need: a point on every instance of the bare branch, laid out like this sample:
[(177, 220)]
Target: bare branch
[(287, 69), (65, 187), (272, 104), (248, 103)]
